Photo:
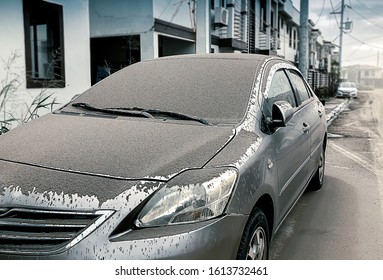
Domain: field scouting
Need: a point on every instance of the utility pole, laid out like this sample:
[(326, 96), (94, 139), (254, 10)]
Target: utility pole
[(304, 38), (343, 26), (341, 38)]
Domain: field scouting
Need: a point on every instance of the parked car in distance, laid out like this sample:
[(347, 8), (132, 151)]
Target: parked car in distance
[(183, 157), (347, 89)]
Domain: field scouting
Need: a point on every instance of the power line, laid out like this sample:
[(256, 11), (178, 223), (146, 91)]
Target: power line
[(362, 16), (165, 8), (352, 53), (334, 13), (336, 38), (360, 41), (179, 4), (320, 14), (363, 57), (368, 8)]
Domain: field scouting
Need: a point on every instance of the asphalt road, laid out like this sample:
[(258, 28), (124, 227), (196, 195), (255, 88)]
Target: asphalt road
[(344, 220)]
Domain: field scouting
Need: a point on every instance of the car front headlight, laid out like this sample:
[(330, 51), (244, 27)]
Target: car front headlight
[(192, 196)]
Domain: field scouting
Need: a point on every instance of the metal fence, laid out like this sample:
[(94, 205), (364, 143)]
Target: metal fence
[(321, 83)]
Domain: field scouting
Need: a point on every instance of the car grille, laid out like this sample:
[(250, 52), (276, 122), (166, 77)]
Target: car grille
[(31, 231)]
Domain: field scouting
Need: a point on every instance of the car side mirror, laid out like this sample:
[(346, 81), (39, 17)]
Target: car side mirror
[(282, 112), (323, 101)]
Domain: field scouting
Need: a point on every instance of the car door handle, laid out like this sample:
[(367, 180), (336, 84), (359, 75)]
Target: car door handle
[(306, 128)]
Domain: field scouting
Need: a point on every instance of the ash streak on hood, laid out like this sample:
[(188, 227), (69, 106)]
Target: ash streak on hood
[(15, 197)]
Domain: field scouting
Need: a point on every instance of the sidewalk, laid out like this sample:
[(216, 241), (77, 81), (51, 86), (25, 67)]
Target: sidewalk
[(335, 106)]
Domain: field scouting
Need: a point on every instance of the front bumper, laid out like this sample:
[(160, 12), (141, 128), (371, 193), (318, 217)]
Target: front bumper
[(215, 239), (352, 94)]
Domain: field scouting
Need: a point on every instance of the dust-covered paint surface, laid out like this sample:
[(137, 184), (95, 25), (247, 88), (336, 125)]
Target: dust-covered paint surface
[(114, 167)]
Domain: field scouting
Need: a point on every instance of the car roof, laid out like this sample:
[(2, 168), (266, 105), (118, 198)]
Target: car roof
[(229, 56)]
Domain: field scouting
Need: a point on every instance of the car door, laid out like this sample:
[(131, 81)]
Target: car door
[(291, 144), (312, 111)]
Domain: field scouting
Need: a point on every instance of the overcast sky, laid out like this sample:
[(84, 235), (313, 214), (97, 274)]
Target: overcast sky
[(363, 44)]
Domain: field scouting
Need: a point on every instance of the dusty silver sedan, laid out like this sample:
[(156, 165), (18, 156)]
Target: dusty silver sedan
[(184, 157)]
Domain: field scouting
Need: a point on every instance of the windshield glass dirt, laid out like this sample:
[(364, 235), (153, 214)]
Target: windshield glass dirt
[(216, 90)]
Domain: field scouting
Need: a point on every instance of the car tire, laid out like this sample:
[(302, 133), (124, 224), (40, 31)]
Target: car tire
[(317, 181), (255, 240)]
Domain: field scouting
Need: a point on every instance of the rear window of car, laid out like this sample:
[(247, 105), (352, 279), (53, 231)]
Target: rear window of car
[(217, 90)]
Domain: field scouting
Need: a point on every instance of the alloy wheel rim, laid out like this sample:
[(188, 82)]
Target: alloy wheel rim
[(321, 167), (257, 246)]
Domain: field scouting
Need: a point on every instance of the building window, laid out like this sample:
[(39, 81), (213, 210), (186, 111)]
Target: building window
[(263, 18), (280, 26), (110, 54), (44, 44)]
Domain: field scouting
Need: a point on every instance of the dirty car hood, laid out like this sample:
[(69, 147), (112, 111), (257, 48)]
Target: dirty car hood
[(126, 148)]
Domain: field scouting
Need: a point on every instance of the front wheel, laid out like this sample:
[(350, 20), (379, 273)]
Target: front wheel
[(317, 181), (255, 240)]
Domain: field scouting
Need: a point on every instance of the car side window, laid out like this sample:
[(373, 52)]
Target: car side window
[(280, 89), (300, 86)]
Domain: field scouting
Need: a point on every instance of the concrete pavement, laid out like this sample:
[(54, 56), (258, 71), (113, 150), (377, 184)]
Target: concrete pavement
[(335, 106)]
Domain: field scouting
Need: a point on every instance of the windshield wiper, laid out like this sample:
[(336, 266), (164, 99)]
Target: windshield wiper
[(136, 111), (179, 116), (174, 115), (115, 111)]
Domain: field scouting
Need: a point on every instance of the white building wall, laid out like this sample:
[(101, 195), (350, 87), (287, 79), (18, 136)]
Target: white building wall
[(76, 51), (76, 44), (120, 17), (174, 11), (285, 50), (11, 31)]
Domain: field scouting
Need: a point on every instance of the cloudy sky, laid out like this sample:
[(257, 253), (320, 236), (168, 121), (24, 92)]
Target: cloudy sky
[(363, 43)]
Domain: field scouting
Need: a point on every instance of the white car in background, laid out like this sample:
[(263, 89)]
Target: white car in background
[(347, 89)]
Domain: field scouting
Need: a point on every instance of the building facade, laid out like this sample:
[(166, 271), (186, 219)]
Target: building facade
[(68, 45), (126, 31), (365, 76)]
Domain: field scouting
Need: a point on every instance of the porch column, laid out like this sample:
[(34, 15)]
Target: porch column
[(203, 39), (149, 45)]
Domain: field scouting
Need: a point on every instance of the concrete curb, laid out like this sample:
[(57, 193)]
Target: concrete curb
[(336, 112)]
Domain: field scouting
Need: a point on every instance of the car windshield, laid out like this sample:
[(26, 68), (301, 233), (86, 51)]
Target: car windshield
[(347, 85), (216, 90)]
